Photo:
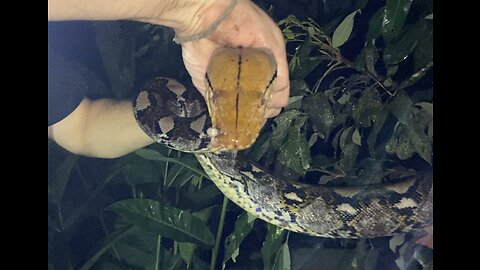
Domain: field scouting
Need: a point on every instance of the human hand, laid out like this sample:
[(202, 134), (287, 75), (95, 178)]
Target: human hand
[(246, 26)]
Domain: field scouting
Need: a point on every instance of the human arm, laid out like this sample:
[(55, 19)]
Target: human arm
[(102, 128)]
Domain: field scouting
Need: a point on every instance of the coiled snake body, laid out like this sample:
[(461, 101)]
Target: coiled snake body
[(239, 80)]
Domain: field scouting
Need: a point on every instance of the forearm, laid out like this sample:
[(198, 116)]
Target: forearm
[(182, 15), (102, 128)]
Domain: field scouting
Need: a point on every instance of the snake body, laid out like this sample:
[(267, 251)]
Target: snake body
[(178, 117)]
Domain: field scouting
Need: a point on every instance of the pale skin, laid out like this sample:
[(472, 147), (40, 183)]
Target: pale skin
[(107, 128)]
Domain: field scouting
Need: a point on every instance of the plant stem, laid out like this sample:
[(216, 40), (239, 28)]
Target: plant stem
[(157, 253), (219, 233)]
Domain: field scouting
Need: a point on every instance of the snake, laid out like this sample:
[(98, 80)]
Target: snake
[(216, 127)]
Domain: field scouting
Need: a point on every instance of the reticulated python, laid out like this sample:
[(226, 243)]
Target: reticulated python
[(239, 83)]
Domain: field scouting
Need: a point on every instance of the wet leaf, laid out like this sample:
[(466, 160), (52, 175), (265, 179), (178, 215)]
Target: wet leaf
[(186, 251), (139, 171), (295, 153), (319, 112), (299, 88), (283, 122), (356, 138), (294, 103), (371, 57), (376, 128), (344, 30), (188, 160), (272, 244), (107, 244), (375, 24), (288, 34), (394, 18), (399, 51), (423, 52), (349, 150), (368, 106), (243, 226), (322, 161), (361, 4), (407, 140), (282, 260), (396, 241), (400, 106), (178, 175), (166, 221), (304, 65), (60, 177), (202, 198)]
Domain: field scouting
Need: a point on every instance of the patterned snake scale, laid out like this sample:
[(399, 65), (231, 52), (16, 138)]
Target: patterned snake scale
[(177, 117)]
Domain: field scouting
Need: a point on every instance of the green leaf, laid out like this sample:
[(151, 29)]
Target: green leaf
[(394, 18), (107, 243), (349, 150), (407, 140), (243, 226), (319, 112), (322, 161), (427, 106), (272, 244), (202, 198), (375, 24), (138, 170), (186, 251), (423, 52), (295, 153), (371, 57), (401, 106), (361, 4), (135, 256), (365, 111), (205, 213), (288, 34), (166, 221), (396, 241), (294, 103), (283, 122), (300, 67), (343, 31), (186, 160), (376, 128), (356, 138), (61, 176), (178, 175), (397, 52), (282, 260), (299, 88), (411, 133)]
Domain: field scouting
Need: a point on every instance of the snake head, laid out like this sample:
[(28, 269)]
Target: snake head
[(239, 89)]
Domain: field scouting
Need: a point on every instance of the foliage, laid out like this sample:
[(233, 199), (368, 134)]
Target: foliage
[(360, 109)]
